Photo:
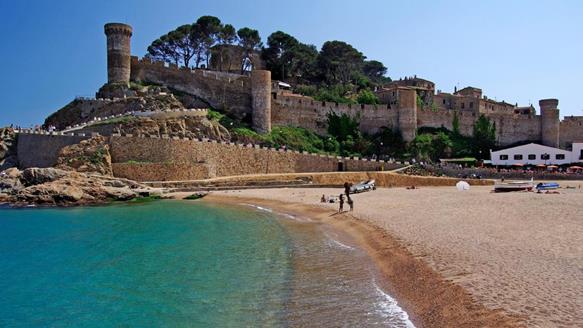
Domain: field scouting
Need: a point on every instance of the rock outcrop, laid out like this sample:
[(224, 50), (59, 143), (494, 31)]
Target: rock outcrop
[(188, 126), (83, 110), (8, 156), (51, 186), (90, 155)]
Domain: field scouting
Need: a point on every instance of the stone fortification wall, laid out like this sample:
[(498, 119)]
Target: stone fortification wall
[(42, 150), (312, 114), (444, 118), (571, 130), (226, 91), (510, 129), (225, 159), (161, 171), (517, 128)]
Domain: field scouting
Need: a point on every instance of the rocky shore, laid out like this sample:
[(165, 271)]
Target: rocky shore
[(56, 187)]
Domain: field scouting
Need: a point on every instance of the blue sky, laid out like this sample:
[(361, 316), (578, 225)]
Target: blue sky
[(517, 51)]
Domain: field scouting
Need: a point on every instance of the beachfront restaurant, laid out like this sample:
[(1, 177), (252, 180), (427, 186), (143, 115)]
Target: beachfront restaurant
[(535, 154)]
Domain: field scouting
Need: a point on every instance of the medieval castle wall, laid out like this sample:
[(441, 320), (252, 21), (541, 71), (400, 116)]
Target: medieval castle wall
[(243, 96), (571, 130), (171, 159), (225, 91)]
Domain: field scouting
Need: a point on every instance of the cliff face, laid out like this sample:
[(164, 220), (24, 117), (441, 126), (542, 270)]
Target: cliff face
[(8, 156)]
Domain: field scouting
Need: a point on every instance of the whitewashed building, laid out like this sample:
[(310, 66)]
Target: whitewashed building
[(535, 154)]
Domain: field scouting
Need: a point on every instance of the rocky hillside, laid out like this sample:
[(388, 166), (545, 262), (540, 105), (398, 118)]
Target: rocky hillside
[(8, 156), (83, 110), (183, 127)]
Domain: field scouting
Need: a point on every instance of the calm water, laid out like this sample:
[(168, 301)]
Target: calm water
[(183, 264)]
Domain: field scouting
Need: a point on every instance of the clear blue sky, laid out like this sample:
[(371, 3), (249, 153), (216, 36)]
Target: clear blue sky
[(518, 51)]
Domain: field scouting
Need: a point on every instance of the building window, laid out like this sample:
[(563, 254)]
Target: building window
[(463, 105), (560, 156), (444, 104), (471, 104), (517, 157), (503, 157), (531, 156), (545, 157)]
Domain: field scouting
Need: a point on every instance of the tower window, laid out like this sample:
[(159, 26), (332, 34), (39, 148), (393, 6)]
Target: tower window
[(471, 104), (531, 156), (503, 157), (517, 157), (560, 156)]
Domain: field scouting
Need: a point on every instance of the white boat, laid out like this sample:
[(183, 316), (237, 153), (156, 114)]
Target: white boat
[(363, 186), (514, 186)]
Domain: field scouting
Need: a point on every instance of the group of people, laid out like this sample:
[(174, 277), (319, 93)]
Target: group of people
[(341, 198)]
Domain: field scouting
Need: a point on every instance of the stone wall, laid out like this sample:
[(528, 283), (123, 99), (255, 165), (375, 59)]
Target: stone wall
[(224, 159), (510, 129), (571, 130), (311, 114), (161, 171), (42, 150), (225, 91)]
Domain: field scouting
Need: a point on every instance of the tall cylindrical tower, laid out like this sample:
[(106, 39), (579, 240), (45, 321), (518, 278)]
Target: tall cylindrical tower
[(118, 52), (261, 100), (549, 122)]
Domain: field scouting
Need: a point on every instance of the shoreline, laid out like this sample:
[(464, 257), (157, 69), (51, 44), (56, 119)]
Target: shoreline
[(429, 299)]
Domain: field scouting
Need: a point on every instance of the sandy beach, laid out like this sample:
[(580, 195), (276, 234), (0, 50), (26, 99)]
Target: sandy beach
[(463, 259)]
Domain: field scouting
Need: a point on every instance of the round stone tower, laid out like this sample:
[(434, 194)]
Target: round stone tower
[(549, 122), (118, 52), (261, 100)]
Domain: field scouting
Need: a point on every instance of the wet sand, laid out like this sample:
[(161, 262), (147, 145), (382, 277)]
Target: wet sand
[(461, 259)]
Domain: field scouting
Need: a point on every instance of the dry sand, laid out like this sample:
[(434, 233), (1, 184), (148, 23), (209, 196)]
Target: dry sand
[(517, 252)]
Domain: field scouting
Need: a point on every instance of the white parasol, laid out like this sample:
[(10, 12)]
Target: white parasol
[(462, 186)]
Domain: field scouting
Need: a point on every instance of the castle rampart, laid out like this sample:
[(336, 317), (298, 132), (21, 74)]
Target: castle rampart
[(252, 98)]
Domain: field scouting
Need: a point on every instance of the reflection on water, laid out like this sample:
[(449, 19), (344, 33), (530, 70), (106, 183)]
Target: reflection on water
[(186, 264)]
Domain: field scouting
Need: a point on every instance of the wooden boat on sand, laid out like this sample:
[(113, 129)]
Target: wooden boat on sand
[(514, 186)]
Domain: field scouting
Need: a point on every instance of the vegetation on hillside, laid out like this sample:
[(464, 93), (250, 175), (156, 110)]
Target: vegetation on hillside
[(337, 72)]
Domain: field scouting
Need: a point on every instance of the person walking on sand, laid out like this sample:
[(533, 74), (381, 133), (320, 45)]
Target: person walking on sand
[(350, 203), (341, 201)]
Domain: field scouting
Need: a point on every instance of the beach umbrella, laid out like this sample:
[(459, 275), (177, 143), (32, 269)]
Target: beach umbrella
[(541, 165), (462, 186), (575, 167), (518, 164)]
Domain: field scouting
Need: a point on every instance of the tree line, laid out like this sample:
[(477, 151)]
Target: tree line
[(191, 45), (337, 68)]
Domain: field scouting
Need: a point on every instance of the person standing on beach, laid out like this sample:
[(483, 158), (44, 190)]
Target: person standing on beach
[(347, 189), (341, 201), (350, 203)]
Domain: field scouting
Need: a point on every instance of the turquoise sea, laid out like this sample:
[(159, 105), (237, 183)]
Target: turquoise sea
[(183, 264)]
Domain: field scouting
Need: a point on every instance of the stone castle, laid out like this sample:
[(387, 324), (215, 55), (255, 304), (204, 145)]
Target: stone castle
[(406, 105)]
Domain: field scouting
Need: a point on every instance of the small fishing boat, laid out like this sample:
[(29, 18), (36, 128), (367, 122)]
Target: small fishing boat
[(514, 186), (547, 186)]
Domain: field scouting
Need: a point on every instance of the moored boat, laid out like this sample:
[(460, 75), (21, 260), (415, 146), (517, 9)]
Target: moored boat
[(547, 186), (514, 186)]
